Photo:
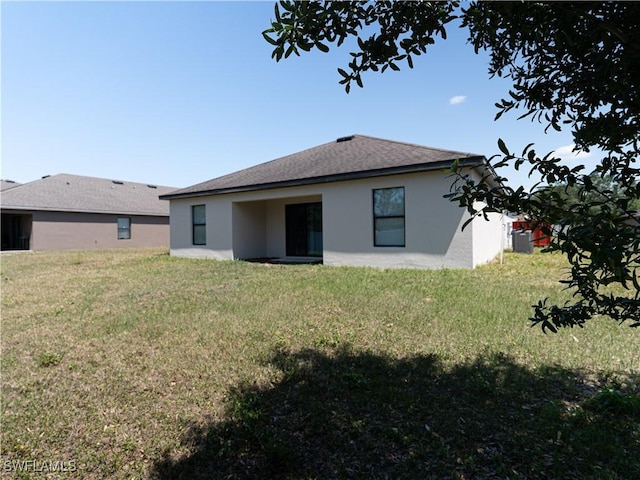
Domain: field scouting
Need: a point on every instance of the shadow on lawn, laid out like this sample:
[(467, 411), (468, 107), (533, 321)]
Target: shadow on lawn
[(348, 414)]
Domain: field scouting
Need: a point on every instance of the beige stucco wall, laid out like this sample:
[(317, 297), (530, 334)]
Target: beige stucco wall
[(219, 228), (432, 225), (488, 237), (251, 224), (84, 231), (249, 229)]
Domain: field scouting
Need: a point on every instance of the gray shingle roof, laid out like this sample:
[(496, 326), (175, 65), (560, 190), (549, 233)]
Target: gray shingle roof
[(357, 156), (7, 184), (73, 193)]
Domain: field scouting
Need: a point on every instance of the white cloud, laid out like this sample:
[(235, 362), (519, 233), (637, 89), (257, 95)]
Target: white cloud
[(457, 99), (566, 153)]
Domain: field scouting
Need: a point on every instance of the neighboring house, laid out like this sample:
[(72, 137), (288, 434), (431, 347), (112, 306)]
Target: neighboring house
[(63, 212), (358, 201)]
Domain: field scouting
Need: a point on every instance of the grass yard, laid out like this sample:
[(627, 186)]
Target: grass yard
[(133, 364)]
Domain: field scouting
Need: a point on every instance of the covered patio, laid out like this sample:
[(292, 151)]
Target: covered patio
[(283, 230)]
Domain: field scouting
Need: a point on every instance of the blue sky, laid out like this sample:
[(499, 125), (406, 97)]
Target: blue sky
[(176, 93)]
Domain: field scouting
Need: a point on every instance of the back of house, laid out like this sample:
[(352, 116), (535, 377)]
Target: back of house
[(359, 201)]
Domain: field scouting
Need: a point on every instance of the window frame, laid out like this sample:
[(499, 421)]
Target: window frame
[(202, 225), (126, 230), (377, 217)]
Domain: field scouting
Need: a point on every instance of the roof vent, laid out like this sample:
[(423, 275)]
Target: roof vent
[(345, 139), (152, 186), (117, 182)]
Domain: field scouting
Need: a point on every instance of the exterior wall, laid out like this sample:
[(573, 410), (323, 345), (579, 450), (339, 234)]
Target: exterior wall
[(488, 237), (239, 226), (432, 225), (85, 231), (219, 228), (249, 229), (244, 225), (275, 247)]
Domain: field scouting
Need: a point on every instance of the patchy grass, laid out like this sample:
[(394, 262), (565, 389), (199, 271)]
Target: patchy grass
[(134, 364)]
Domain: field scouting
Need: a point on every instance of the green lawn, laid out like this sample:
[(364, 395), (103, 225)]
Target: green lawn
[(134, 364)]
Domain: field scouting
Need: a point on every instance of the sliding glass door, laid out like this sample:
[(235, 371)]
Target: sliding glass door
[(304, 229)]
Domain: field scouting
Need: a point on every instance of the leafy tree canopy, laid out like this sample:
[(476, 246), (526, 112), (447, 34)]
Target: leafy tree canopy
[(574, 66), (605, 194)]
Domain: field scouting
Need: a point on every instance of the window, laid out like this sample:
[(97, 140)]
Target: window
[(199, 224), (388, 217), (124, 228)]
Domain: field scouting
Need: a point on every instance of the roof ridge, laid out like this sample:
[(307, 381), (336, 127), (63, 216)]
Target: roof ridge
[(89, 177), (410, 144)]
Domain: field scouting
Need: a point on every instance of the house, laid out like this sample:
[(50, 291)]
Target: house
[(64, 211), (359, 201)]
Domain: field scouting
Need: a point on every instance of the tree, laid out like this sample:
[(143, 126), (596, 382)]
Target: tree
[(605, 194), (575, 66)]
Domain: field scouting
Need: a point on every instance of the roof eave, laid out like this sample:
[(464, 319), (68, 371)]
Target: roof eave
[(421, 167), (27, 208)]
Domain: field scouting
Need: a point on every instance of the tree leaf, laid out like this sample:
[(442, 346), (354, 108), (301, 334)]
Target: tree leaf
[(503, 148), (268, 38)]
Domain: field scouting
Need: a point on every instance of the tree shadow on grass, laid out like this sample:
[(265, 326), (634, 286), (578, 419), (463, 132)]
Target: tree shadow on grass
[(346, 414)]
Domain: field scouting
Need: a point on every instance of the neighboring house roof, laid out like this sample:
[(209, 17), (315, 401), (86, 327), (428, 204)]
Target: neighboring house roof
[(348, 158), (73, 193), (7, 184)]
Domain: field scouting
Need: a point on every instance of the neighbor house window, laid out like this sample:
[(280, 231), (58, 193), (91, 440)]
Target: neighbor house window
[(388, 217), (199, 224), (124, 228)]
